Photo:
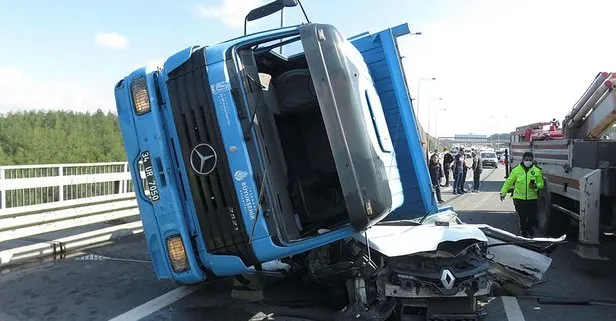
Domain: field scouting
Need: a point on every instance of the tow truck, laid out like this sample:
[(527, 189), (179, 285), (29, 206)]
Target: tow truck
[(247, 161), (578, 161)]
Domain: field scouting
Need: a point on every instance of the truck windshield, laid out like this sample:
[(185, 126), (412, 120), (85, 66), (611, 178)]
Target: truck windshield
[(285, 48), (488, 155), (288, 140)]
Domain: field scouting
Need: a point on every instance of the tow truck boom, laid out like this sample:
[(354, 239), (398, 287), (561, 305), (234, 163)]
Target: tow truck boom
[(595, 111)]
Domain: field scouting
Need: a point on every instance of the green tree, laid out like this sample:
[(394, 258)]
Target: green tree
[(48, 137)]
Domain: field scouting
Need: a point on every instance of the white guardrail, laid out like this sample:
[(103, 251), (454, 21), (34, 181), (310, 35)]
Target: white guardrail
[(39, 199)]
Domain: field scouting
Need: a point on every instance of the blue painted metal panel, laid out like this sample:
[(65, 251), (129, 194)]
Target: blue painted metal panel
[(380, 52), (146, 132), (143, 133)]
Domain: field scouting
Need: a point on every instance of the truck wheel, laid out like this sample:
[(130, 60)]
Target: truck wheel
[(544, 211), (561, 224)]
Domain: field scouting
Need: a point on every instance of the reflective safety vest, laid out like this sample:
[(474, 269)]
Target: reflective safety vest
[(519, 179)]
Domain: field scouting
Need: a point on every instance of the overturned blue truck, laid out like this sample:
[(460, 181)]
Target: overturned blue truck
[(243, 156)]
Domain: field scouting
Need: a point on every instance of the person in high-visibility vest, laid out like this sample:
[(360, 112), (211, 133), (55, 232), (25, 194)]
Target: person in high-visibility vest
[(525, 180)]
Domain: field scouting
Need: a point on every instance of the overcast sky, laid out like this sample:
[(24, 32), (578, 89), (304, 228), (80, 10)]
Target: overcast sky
[(497, 64)]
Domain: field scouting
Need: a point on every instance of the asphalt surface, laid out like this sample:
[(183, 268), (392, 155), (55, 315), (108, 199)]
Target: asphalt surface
[(108, 281)]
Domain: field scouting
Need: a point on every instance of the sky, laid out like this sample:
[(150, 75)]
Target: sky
[(497, 64)]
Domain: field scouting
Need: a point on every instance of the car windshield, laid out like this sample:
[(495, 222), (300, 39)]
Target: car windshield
[(488, 155)]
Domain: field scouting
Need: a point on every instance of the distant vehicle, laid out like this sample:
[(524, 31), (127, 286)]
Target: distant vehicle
[(489, 159), (500, 155)]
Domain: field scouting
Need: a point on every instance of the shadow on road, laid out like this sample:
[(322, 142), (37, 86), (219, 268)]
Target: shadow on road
[(504, 220), (256, 298), (491, 186)]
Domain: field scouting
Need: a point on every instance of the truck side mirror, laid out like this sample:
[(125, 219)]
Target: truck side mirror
[(271, 8), (268, 9)]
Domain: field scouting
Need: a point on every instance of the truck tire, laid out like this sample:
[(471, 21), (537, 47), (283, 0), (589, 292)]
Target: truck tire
[(550, 222), (544, 211)]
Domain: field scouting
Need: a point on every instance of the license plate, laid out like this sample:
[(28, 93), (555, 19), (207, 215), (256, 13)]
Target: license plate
[(149, 176)]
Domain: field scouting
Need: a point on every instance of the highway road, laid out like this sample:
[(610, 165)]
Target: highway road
[(116, 282)]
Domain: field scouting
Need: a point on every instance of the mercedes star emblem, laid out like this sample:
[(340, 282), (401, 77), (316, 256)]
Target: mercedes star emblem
[(203, 159)]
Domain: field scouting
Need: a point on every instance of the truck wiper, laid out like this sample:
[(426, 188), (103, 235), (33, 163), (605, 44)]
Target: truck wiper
[(247, 135)]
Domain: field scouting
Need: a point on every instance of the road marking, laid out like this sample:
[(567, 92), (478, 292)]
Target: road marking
[(156, 304), (512, 309)]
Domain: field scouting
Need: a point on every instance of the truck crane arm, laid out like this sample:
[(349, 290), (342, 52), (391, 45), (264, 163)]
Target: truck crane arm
[(595, 111)]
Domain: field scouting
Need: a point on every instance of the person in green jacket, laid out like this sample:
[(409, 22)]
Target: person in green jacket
[(525, 180)]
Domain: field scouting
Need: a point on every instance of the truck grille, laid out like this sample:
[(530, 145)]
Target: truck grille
[(213, 195)]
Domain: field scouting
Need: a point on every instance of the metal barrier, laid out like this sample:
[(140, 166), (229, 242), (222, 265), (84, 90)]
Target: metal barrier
[(39, 199)]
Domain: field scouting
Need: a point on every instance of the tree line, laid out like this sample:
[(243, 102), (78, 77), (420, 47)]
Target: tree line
[(54, 137)]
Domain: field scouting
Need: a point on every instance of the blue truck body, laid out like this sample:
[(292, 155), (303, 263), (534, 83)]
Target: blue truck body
[(222, 213)]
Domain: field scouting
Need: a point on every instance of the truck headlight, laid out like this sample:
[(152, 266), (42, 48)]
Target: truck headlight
[(177, 254), (139, 93)]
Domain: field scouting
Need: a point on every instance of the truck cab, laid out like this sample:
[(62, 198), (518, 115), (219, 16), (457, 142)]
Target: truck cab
[(242, 155)]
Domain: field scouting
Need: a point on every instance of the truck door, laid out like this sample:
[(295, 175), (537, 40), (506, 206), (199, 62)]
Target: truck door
[(381, 54), (340, 78)]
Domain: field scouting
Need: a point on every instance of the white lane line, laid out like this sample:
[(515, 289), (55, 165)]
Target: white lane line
[(156, 304), (512, 309)]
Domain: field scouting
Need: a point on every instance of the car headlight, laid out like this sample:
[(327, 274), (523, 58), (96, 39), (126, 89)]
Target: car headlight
[(177, 253), (139, 93)]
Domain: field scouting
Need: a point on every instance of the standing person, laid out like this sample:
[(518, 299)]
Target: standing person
[(464, 173), (447, 160), (526, 180), (459, 172), (477, 169), (436, 172)]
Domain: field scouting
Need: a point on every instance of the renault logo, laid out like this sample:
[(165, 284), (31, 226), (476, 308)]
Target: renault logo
[(447, 279), (203, 159)]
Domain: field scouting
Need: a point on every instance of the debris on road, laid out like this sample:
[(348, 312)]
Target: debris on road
[(440, 269)]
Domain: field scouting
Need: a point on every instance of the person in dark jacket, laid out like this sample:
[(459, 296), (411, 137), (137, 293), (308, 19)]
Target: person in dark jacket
[(459, 172), (436, 173), (447, 161), (477, 169)]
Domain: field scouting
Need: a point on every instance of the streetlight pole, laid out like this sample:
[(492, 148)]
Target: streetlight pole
[(498, 123), (495, 119), (419, 92), (436, 125), (430, 118)]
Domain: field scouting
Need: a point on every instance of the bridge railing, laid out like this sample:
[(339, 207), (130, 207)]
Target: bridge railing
[(41, 199)]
